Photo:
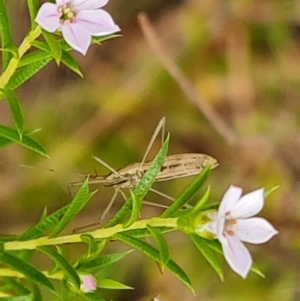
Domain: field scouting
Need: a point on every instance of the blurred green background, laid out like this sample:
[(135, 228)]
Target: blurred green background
[(243, 57)]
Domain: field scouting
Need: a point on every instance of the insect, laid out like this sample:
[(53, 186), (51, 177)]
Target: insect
[(173, 167)]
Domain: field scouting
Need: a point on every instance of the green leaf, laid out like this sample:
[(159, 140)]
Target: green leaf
[(62, 263), (188, 192), (94, 247), (80, 200), (42, 45), (33, 57), (104, 260), (5, 238), (37, 294), (15, 110), (53, 45), (143, 186), (199, 205), (44, 225), (112, 284), (136, 209), (92, 297), (154, 254), (68, 60), (270, 191), (99, 40), (17, 298), (163, 248), (210, 255), (26, 141), (33, 6), (16, 286), (26, 269), (5, 35), (5, 142), (25, 73)]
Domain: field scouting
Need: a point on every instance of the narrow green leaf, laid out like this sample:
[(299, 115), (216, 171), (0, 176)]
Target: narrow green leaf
[(36, 292), (34, 57), (5, 142), (44, 225), (42, 45), (163, 247), (5, 35), (112, 284), (154, 254), (143, 186), (53, 45), (16, 286), (80, 200), (26, 141), (103, 260), (210, 206), (92, 297), (5, 238), (270, 191), (68, 60), (62, 263), (25, 73), (17, 298), (136, 209), (99, 40), (188, 192), (199, 205), (33, 6), (94, 247), (26, 269), (210, 255), (16, 111)]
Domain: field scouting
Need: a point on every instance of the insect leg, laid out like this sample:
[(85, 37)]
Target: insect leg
[(105, 211), (160, 126)]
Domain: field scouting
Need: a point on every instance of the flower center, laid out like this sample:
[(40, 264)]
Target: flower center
[(67, 13), (229, 227)]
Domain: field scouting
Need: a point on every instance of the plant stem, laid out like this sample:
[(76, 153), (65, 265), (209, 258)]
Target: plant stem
[(102, 233), (13, 64), (4, 272)]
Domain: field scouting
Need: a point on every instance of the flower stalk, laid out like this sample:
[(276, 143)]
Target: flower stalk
[(13, 64)]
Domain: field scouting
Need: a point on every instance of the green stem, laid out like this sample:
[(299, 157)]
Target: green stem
[(97, 234), (4, 272), (13, 64)]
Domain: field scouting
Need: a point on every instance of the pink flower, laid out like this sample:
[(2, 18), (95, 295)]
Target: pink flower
[(88, 283), (78, 20), (232, 225)]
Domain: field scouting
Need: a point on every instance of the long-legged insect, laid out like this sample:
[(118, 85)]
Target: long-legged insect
[(173, 167)]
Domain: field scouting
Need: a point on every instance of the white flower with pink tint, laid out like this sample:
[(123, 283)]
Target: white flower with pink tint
[(233, 224), (78, 20), (88, 283)]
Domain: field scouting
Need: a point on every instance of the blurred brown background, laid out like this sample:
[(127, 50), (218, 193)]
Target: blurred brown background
[(243, 58)]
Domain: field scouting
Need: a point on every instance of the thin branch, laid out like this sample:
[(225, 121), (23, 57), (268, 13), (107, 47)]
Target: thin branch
[(184, 83)]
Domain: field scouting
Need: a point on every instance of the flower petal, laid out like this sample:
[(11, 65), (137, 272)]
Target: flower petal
[(88, 283), (230, 198), (249, 204), (237, 256), (62, 2), (254, 230), (48, 17), (76, 36), (97, 22), (88, 4)]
